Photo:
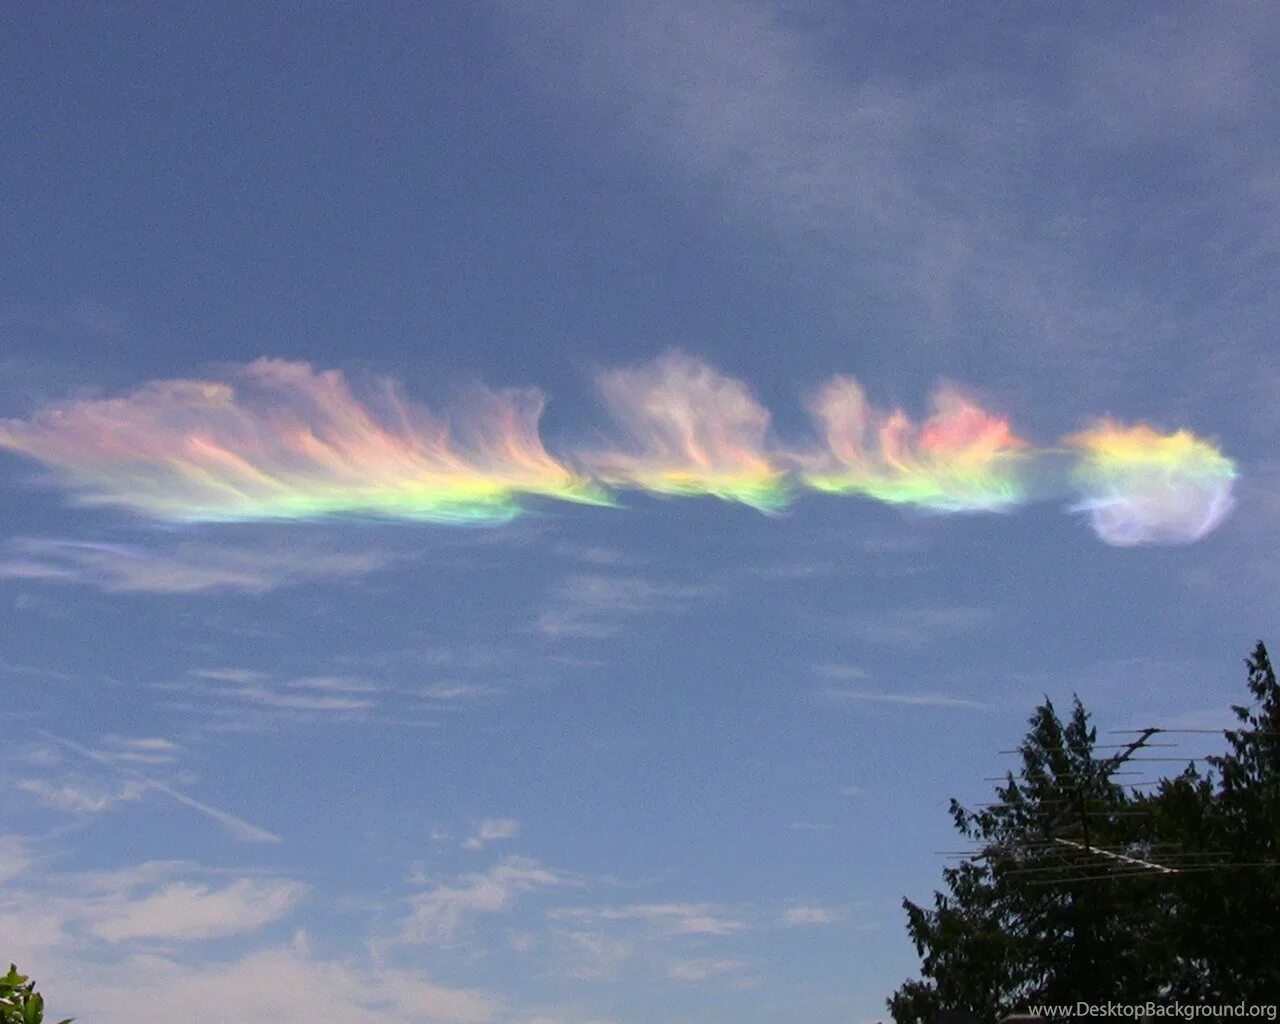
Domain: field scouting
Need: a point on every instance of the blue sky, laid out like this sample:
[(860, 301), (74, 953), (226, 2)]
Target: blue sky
[(674, 762)]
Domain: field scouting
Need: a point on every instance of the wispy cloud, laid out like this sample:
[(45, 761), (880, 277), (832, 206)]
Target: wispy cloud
[(288, 984), (664, 918), (594, 606), (325, 694), (806, 916), (918, 627), (961, 459), (598, 942), (916, 700), (238, 827), (185, 912), (704, 969), (156, 901), (454, 692), (1141, 487), (492, 830), (91, 930), (84, 796), (441, 914), (15, 857), (691, 430), (281, 441), (922, 182), (187, 567), (139, 749)]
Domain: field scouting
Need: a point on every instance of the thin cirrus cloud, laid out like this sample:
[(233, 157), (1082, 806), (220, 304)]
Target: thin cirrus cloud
[(440, 915), (915, 700), (293, 443), (801, 917), (187, 567), (668, 919)]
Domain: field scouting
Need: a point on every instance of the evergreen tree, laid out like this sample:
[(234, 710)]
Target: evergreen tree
[(1224, 922), (1012, 929), (1249, 825), (1025, 922)]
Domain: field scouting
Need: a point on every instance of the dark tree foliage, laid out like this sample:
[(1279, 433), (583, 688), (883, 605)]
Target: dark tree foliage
[(1221, 924), (1023, 922)]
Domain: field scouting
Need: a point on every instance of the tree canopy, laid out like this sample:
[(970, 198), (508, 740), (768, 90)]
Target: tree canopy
[(20, 1003), (1080, 888)]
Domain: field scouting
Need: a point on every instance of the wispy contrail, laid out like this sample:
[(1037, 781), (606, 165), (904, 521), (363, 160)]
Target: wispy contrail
[(238, 827), (281, 441)]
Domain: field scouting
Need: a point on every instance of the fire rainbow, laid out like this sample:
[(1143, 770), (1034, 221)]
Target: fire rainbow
[(279, 440), (1143, 487)]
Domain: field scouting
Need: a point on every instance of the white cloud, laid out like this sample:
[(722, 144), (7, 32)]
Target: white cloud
[(183, 911), (797, 917), (665, 918), (334, 684), (593, 954), (314, 695), (243, 676), (84, 796), (156, 901), (703, 970), (915, 700), (441, 914), (15, 857), (81, 794), (97, 935), (140, 749), (295, 701), (594, 606), (282, 984), (596, 943), (459, 691), (920, 182), (492, 830), (841, 672)]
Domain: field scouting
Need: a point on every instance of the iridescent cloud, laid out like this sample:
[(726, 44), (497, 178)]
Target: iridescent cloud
[(690, 430), (1144, 487), (293, 443), (961, 459), (278, 440)]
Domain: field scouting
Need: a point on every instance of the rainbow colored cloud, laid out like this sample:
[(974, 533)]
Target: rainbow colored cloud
[(279, 440), (292, 443), (1143, 487), (961, 459), (691, 431)]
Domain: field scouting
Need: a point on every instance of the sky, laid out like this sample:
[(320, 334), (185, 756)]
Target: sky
[(525, 513)]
